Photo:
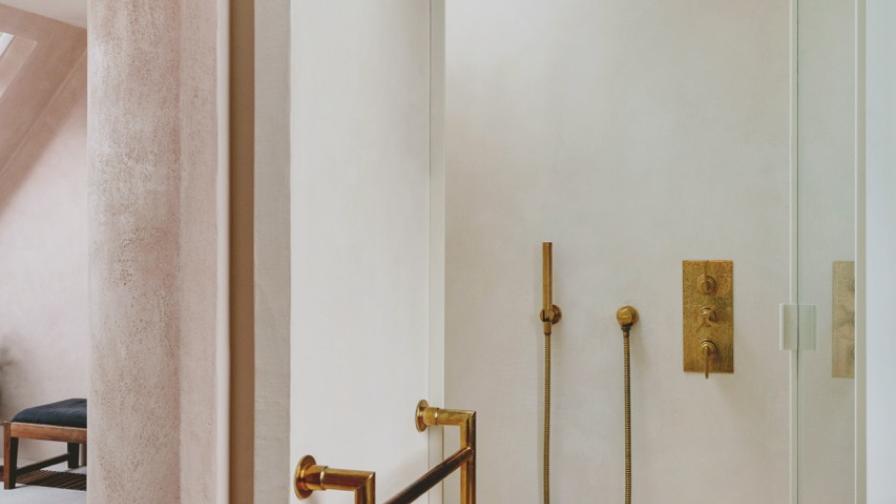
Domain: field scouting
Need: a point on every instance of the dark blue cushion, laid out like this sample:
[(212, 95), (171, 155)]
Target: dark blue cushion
[(67, 413)]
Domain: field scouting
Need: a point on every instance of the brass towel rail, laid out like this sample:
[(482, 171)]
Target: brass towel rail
[(311, 477)]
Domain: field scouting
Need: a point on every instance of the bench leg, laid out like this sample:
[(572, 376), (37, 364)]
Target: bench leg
[(73, 458), (10, 454)]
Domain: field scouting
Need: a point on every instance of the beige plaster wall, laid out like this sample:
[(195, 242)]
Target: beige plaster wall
[(43, 260)]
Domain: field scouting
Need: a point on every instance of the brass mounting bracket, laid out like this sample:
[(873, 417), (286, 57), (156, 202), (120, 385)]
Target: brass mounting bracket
[(556, 315), (311, 477), (428, 416)]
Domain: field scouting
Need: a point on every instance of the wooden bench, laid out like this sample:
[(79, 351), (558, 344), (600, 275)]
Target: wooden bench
[(64, 421)]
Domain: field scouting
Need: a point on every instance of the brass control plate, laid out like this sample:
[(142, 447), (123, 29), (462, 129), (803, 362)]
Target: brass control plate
[(708, 314)]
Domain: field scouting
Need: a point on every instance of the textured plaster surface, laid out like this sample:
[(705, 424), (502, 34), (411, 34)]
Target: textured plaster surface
[(154, 240), (68, 11), (43, 260), (58, 47)]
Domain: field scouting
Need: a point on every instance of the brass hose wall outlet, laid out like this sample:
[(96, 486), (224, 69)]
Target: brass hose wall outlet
[(627, 316)]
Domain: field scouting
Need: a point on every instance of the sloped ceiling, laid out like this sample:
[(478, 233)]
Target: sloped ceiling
[(68, 11)]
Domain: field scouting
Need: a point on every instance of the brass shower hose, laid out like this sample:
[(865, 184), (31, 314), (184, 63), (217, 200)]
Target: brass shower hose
[(627, 316), (546, 463), (549, 320)]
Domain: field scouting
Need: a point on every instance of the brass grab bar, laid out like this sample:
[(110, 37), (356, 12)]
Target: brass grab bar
[(433, 477), (311, 477)]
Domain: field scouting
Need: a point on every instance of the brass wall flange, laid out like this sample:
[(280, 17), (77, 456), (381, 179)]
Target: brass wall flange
[(419, 420), (301, 485)]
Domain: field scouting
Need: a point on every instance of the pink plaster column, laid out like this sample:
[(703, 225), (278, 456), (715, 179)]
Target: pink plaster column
[(157, 403)]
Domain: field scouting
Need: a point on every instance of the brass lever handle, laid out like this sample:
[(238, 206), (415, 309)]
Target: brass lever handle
[(709, 350)]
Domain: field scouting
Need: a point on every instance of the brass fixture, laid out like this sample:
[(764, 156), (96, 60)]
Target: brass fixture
[(428, 416), (550, 314), (433, 477), (627, 316), (710, 350), (708, 316), (843, 337), (311, 477)]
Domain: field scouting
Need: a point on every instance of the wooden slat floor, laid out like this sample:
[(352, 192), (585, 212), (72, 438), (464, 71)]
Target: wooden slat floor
[(55, 479)]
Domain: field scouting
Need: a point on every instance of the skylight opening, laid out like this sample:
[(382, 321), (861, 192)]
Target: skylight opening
[(5, 41), (14, 52)]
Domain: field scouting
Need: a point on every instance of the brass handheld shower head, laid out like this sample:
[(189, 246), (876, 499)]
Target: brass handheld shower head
[(550, 313)]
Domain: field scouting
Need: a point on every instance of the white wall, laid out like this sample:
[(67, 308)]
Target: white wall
[(826, 192), (634, 135), (881, 247), (273, 473), (360, 236)]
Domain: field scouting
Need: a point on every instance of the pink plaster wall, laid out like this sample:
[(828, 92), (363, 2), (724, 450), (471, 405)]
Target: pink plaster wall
[(158, 226), (44, 334)]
